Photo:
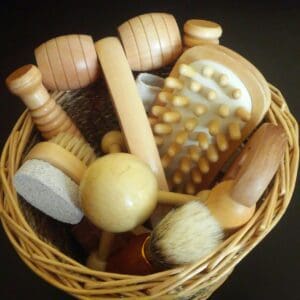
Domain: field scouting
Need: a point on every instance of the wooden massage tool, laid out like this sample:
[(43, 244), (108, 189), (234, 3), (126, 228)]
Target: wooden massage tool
[(50, 176), (129, 108), (199, 32), (68, 62), (150, 41), (212, 100), (112, 142), (48, 116), (183, 238)]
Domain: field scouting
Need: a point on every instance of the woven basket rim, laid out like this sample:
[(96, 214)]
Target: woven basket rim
[(202, 277)]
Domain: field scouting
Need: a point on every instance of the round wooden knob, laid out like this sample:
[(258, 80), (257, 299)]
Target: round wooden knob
[(112, 142), (68, 62), (118, 192), (202, 29), (150, 41)]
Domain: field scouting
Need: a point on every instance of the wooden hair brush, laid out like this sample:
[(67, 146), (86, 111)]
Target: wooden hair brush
[(212, 100), (193, 230)]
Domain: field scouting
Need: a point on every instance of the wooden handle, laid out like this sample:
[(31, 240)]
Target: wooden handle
[(131, 259), (177, 199), (257, 164), (26, 82), (128, 105)]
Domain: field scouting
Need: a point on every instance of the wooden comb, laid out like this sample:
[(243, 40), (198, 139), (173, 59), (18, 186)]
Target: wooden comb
[(212, 100), (48, 116), (68, 62), (150, 41)]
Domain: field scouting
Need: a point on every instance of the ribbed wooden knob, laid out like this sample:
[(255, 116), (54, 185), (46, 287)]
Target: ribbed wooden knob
[(150, 41), (68, 62), (49, 117)]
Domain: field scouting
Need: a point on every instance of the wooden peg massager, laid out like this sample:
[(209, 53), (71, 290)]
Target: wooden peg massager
[(120, 192), (68, 62), (191, 232), (112, 142), (50, 176), (48, 116), (150, 41), (199, 32), (212, 100)]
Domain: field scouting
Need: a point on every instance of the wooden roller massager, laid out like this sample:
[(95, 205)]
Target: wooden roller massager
[(47, 115), (150, 41), (212, 100), (68, 62)]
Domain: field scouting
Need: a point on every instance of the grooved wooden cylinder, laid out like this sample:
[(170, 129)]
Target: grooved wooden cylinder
[(68, 62), (150, 41)]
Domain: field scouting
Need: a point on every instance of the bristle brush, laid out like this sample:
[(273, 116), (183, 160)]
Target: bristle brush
[(225, 210)]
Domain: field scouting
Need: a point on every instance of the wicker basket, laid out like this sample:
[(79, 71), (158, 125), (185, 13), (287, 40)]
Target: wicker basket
[(59, 261)]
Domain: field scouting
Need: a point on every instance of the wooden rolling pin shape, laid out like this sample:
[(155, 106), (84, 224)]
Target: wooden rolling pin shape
[(47, 115)]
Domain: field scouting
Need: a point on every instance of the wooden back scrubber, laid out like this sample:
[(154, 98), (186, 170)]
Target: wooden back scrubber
[(47, 115), (212, 100)]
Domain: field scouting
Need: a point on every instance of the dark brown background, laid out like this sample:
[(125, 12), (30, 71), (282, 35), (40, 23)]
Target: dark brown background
[(266, 34)]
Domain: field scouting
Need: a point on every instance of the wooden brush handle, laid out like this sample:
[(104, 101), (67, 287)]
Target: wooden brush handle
[(257, 164), (131, 259), (26, 82), (129, 107)]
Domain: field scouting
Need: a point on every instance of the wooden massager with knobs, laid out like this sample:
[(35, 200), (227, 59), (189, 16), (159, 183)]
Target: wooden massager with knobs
[(68, 62), (212, 100), (230, 203), (61, 163), (199, 32), (47, 115), (150, 41)]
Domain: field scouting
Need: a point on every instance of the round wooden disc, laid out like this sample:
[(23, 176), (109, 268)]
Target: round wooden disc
[(202, 29)]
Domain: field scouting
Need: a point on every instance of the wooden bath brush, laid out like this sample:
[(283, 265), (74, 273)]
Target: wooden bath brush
[(50, 176), (212, 100)]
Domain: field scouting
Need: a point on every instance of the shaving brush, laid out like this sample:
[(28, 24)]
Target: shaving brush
[(184, 236)]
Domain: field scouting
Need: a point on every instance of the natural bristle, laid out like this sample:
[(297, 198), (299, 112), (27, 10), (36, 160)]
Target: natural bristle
[(185, 235)]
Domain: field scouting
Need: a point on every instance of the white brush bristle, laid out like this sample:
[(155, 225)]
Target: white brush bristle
[(186, 235)]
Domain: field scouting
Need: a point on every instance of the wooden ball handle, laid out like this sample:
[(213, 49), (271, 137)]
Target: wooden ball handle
[(26, 82), (257, 164)]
